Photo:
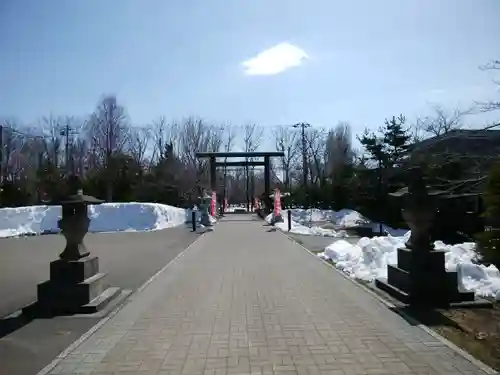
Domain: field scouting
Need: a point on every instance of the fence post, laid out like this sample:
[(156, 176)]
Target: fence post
[(289, 220), (193, 220)]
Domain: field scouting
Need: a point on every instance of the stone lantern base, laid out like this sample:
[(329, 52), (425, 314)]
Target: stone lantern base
[(75, 287), (420, 279)]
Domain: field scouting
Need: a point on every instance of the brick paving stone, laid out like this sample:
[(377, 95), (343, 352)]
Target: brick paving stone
[(243, 300)]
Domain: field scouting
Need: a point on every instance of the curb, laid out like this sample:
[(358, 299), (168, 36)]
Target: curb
[(100, 323), (487, 369)]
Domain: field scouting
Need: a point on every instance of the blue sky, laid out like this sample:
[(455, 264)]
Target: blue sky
[(355, 61)]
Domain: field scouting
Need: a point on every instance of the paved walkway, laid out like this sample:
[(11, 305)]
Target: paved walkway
[(242, 300), (129, 258)]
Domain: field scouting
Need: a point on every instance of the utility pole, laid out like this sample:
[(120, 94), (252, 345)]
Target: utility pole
[(303, 126), (66, 132)]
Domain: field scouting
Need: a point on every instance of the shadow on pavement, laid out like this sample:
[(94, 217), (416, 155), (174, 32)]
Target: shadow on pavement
[(427, 317), (35, 343), (12, 323), (129, 259)]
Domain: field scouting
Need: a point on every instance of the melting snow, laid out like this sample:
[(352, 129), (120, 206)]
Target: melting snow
[(298, 228), (107, 217), (342, 218), (368, 260)]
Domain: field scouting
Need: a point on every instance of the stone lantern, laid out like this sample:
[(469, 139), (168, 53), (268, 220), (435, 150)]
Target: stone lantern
[(75, 285), (420, 278), (205, 202), (74, 224)]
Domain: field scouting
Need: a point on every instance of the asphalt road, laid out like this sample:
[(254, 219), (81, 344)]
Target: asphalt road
[(129, 258)]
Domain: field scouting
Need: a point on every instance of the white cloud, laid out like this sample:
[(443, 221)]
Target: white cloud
[(275, 60)]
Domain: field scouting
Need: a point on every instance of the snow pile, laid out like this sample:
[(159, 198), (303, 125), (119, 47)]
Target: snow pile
[(389, 230), (236, 208), (189, 217), (28, 220), (107, 217), (368, 259), (301, 229), (344, 218)]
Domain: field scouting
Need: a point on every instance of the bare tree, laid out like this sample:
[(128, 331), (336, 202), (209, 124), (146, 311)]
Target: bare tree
[(315, 140), (158, 138), (139, 140), (442, 121), (491, 105), (52, 139), (230, 135), (164, 135), (195, 135), (286, 141), (251, 140), (108, 131), (80, 156), (11, 144), (252, 137), (338, 150), (23, 151), (416, 131)]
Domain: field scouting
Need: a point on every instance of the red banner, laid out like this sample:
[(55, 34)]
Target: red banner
[(277, 203), (213, 203)]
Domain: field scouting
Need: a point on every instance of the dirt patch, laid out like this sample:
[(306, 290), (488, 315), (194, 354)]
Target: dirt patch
[(477, 331)]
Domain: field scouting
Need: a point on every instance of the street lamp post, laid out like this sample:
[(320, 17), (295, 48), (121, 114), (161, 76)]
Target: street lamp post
[(303, 126)]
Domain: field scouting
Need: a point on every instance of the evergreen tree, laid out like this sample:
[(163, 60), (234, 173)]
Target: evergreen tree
[(489, 241), (396, 140), (374, 147), (387, 149)]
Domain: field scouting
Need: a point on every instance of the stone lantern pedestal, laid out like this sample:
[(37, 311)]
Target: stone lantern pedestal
[(420, 279), (76, 286), (206, 201)]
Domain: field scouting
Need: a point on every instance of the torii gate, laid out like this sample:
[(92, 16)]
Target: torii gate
[(212, 156)]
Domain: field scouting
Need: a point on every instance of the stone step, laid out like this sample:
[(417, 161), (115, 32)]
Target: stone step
[(398, 277), (393, 291), (72, 294), (455, 298), (108, 299), (448, 281), (100, 301)]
